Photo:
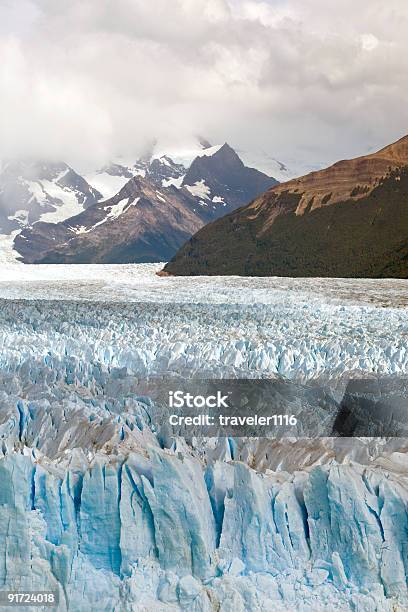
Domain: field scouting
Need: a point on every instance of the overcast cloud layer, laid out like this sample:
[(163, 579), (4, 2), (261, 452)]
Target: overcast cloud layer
[(86, 80)]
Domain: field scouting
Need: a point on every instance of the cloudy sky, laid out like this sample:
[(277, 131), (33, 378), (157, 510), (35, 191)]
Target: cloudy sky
[(87, 80)]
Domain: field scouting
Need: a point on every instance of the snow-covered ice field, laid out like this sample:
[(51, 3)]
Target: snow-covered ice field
[(100, 506), (140, 283), (292, 327)]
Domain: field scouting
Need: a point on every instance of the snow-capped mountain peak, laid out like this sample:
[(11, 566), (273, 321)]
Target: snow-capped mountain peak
[(33, 191), (159, 207)]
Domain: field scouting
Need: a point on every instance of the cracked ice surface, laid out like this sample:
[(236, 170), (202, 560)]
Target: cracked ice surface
[(139, 283), (296, 340), (95, 504)]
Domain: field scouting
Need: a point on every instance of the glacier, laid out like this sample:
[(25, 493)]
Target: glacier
[(296, 341), (155, 530), (98, 505)]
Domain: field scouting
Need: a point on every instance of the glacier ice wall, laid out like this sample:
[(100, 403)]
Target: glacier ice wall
[(119, 538), (94, 504)]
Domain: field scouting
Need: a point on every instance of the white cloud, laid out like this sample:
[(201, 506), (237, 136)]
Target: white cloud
[(369, 42), (87, 80)]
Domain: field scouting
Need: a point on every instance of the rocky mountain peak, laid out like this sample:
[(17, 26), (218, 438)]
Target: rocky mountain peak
[(149, 215)]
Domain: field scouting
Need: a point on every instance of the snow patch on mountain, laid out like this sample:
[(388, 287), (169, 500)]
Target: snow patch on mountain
[(114, 211), (111, 179), (21, 216), (70, 206), (185, 156), (199, 189), (38, 191), (175, 182), (7, 253), (107, 184), (118, 209)]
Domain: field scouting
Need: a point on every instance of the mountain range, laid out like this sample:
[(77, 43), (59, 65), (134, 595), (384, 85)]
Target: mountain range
[(31, 191), (349, 220), (141, 212)]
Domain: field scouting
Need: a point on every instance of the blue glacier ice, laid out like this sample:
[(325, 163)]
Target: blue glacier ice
[(117, 538), (99, 505)]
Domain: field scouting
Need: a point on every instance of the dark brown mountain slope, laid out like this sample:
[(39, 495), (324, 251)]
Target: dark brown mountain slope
[(350, 220)]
